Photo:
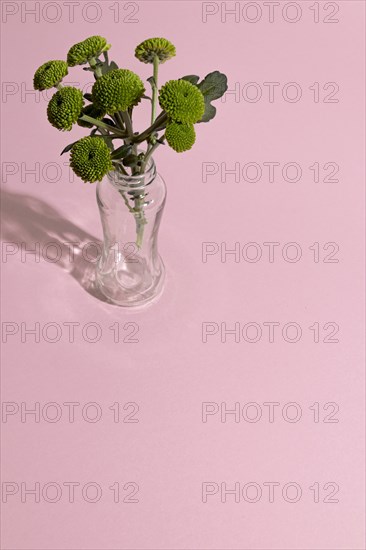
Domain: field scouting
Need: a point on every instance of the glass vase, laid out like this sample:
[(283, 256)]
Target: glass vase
[(130, 271)]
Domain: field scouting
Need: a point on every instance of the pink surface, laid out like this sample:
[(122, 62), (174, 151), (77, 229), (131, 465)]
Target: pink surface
[(168, 443)]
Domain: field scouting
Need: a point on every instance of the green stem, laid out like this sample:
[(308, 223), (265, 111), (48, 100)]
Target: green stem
[(101, 124), (128, 123), (140, 219), (127, 120), (138, 213), (96, 68), (123, 195), (119, 166), (154, 89), (160, 121), (149, 152), (119, 120)]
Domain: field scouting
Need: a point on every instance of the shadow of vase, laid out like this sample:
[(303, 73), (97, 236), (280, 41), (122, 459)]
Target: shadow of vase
[(33, 227)]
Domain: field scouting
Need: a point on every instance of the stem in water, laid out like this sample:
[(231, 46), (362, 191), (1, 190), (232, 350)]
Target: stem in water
[(140, 219)]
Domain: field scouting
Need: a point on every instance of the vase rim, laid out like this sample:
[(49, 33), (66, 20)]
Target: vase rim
[(121, 181)]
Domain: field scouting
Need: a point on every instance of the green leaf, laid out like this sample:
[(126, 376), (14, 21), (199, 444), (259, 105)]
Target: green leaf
[(212, 87), (68, 148), (130, 160), (121, 152), (192, 78), (209, 114), (107, 67)]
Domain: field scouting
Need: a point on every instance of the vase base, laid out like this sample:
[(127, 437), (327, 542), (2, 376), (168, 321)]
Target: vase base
[(131, 285)]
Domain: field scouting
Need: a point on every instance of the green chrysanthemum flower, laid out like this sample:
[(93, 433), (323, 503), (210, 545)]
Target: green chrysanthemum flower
[(80, 53), (90, 159), (160, 47), (49, 75), (93, 111), (182, 101), (180, 136), (65, 107), (117, 90)]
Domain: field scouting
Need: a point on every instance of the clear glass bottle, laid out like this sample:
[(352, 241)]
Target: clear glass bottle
[(130, 271)]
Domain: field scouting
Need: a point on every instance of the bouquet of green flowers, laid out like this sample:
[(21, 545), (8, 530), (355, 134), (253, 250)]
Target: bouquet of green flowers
[(108, 113)]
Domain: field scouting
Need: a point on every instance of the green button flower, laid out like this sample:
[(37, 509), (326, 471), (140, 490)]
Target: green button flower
[(160, 47), (49, 75), (65, 108), (117, 90), (180, 136), (182, 101), (90, 159), (91, 47)]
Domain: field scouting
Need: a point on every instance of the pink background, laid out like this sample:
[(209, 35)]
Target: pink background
[(169, 372)]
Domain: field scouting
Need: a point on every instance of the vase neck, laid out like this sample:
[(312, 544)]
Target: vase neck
[(135, 182)]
